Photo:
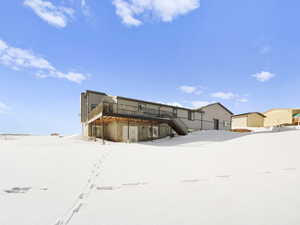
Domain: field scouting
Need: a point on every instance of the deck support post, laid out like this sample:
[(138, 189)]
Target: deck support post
[(128, 132), (151, 130), (103, 142), (201, 121)]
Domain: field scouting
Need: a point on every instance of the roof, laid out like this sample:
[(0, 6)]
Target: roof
[(217, 103), (142, 101), (154, 103), (275, 109), (165, 105), (95, 92), (297, 115), (246, 114)]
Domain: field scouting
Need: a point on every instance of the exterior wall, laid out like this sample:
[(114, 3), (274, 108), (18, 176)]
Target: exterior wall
[(83, 108), (278, 117), (114, 131), (239, 122), (86, 130), (148, 106), (90, 99), (110, 131), (216, 111), (249, 120), (255, 120), (194, 124)]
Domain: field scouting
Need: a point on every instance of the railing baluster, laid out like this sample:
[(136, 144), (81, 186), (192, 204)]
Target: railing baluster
[(117, 108)]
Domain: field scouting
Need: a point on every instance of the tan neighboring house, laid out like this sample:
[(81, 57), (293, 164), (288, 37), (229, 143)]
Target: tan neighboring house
[(119, 118), (245, 120), (276, 117)]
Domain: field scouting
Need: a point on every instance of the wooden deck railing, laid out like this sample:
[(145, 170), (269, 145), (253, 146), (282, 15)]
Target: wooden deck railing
[(122, 109)]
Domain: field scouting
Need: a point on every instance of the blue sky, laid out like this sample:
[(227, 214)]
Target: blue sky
[(244, 54)]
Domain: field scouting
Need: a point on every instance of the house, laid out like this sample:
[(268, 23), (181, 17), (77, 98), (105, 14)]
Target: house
[(245, 120), (216, 117), (276, 117), (119, 118)]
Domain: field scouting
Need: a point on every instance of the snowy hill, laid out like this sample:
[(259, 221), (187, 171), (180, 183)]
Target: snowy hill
[(206, 178)]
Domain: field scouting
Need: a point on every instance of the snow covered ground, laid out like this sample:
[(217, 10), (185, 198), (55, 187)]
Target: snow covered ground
[(208, 178)]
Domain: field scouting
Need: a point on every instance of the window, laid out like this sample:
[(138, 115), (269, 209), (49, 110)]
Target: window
[(142, 108), (226, 124), (93, 106), (175, 112), (191, 115), (216, 124), (155, 132)]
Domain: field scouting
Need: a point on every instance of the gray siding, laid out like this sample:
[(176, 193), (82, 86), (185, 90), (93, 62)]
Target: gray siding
[(216, 111), (201, 119), (90, 99)]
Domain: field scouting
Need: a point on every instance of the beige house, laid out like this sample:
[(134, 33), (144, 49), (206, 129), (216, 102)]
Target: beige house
[(252, 119), (276, 117), (119, 118)]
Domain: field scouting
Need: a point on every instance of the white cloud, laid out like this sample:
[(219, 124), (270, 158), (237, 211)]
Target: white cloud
[(57, 16), (85, 8), (126, 11), (3, 108), (198, 92), (17, 58), (223, 95), (188, 89), (71, 76), (199, 104), (3, 45), (229, 96), (164, 10), (171, 103), (243, 100), (264, 76), (175, 104)]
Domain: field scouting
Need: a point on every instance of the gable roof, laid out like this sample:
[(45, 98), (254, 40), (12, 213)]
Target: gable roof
[(217, 103), (96, 92), (246, 114)]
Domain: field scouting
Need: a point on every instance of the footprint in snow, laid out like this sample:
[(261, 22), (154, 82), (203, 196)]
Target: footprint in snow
[(223, 176), (18, 190), (265, 172), (82, 196), (106, 188), (135, 184), (289, 169), (190, 181)]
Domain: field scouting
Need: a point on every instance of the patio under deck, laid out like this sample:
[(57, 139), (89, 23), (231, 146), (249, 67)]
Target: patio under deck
[(108, 112)]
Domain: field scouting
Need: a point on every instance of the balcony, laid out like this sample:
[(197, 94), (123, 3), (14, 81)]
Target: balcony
[(122, 110)]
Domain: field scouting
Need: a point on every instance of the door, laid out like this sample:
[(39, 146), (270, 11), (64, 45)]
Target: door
[(216, 124), (133, 133), (125, 133)]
